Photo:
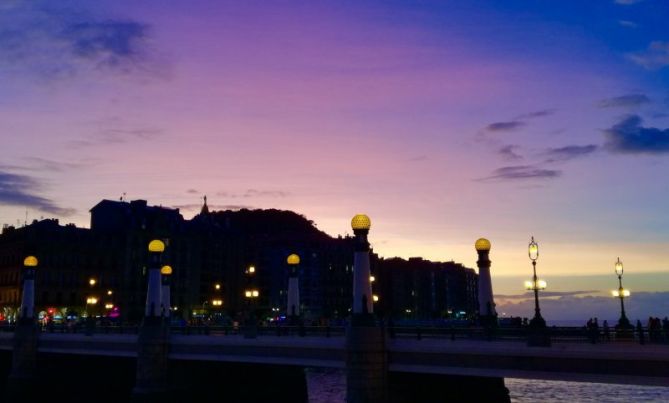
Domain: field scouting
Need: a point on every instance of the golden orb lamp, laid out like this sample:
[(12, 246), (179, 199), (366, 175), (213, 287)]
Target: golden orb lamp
[(166, 270), (293, 259), (30, 261), (482, 245), (157, 246), (361, 222)]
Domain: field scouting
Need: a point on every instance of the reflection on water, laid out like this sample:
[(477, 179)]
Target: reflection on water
[(329, 386)]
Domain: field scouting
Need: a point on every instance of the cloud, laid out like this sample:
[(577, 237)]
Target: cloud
[(264, 193), (192, 191), (505, 126), (51, 41), (117, 136), (518, 122), (530, 294), (249, 193), (536, 114), (18, 190), (624, 101), (508, 153), (629, 137), (581, 308), (653, 58), (108, 43), (569, 152), (522, 172), (627, 24)]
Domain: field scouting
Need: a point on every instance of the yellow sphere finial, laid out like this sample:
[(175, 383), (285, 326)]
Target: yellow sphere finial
[(360, 221), (156, 246), (166, 270), (482, 244), (293, 259), (30, 261)]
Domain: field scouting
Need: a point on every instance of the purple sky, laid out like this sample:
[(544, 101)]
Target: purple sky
[(443, 121)]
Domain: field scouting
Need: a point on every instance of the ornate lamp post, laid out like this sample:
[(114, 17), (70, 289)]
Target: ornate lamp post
[(28, 296), (362, 285), (535, 285), (165, 302), (487, 313), (293, 306), (538, 332), (622, 293)]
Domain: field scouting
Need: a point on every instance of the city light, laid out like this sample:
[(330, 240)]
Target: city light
[(375, 298), (92, 282), (217, 302), (110, 292), (372, 279), (217, 286), (91, 300), (251, 269), (109, 306)]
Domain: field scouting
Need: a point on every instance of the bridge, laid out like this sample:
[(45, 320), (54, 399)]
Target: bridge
[(570, 359)]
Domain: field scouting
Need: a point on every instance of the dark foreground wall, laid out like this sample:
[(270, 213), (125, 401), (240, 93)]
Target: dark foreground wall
[(434, 388), (72, 378)]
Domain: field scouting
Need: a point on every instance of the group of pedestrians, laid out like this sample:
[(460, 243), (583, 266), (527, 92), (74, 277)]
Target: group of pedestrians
[(657, 330), (592, 329)]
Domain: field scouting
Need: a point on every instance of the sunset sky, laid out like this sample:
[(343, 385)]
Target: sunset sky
[(444, 121)]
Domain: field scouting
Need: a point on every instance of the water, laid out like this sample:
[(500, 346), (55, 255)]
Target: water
[(329, 386)]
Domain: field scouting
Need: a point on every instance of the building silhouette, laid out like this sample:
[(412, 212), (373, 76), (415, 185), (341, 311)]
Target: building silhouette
[(208, 255)]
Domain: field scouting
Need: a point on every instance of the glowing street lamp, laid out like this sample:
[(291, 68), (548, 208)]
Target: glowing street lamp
[(621, 293), (535, 285), (293, 300)]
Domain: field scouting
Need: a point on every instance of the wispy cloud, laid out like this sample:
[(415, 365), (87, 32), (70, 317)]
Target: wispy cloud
[(627, 24), (117, 136), (627, 2), (192, 191), (253, 193), (624, 101), (522, 172), (535, 114), (582, 307), (545, 294), (653, 58), (569, 152), (508, 152), (629, 137), (518, 122), (505, 126), (20, 190)]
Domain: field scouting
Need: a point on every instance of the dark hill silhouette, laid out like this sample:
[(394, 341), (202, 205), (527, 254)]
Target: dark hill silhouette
[(261, 222)]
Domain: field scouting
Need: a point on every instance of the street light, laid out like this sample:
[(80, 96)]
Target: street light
[(621, 293), (535, 285), (92, 281)]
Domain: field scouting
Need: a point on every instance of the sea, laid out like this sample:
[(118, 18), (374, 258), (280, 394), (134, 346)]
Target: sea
[(329, 386)]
